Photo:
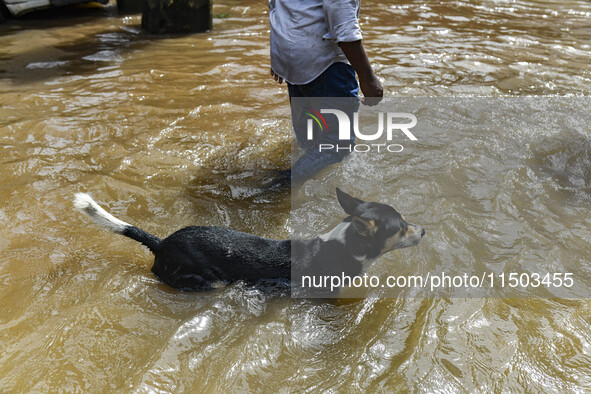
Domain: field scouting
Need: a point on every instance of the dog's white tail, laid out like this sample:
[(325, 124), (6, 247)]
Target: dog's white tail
[(85, 204)]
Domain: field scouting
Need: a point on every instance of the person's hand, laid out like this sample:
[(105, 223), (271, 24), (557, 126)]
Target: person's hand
[(276, 77), (370, 85), (372, 90)]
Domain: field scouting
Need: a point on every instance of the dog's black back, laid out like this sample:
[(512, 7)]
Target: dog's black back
[(198, 257)]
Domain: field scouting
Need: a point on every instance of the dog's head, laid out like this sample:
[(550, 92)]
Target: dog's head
[(380, 227)]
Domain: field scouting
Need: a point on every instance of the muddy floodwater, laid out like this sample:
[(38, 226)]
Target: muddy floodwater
[(171, 131)]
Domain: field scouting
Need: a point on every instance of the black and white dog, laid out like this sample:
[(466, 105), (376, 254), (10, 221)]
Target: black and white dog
[(200, 257)]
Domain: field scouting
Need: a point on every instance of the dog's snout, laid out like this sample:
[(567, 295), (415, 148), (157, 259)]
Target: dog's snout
[(417, 230)]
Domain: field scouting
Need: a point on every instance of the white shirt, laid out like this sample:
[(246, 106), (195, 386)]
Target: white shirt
[(305, 33)]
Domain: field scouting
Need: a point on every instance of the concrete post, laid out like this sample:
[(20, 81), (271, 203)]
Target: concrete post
[(176, 16), (129, 6)]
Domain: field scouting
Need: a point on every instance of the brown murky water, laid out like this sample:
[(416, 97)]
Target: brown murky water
[(172, 131)]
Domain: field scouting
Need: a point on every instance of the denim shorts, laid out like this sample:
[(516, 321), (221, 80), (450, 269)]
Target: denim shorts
[(337, 81)]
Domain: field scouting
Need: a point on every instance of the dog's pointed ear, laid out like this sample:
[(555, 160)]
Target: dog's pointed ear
[(347, 202), (366, 228)]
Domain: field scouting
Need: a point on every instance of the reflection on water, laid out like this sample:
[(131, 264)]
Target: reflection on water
[(172, 131)]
